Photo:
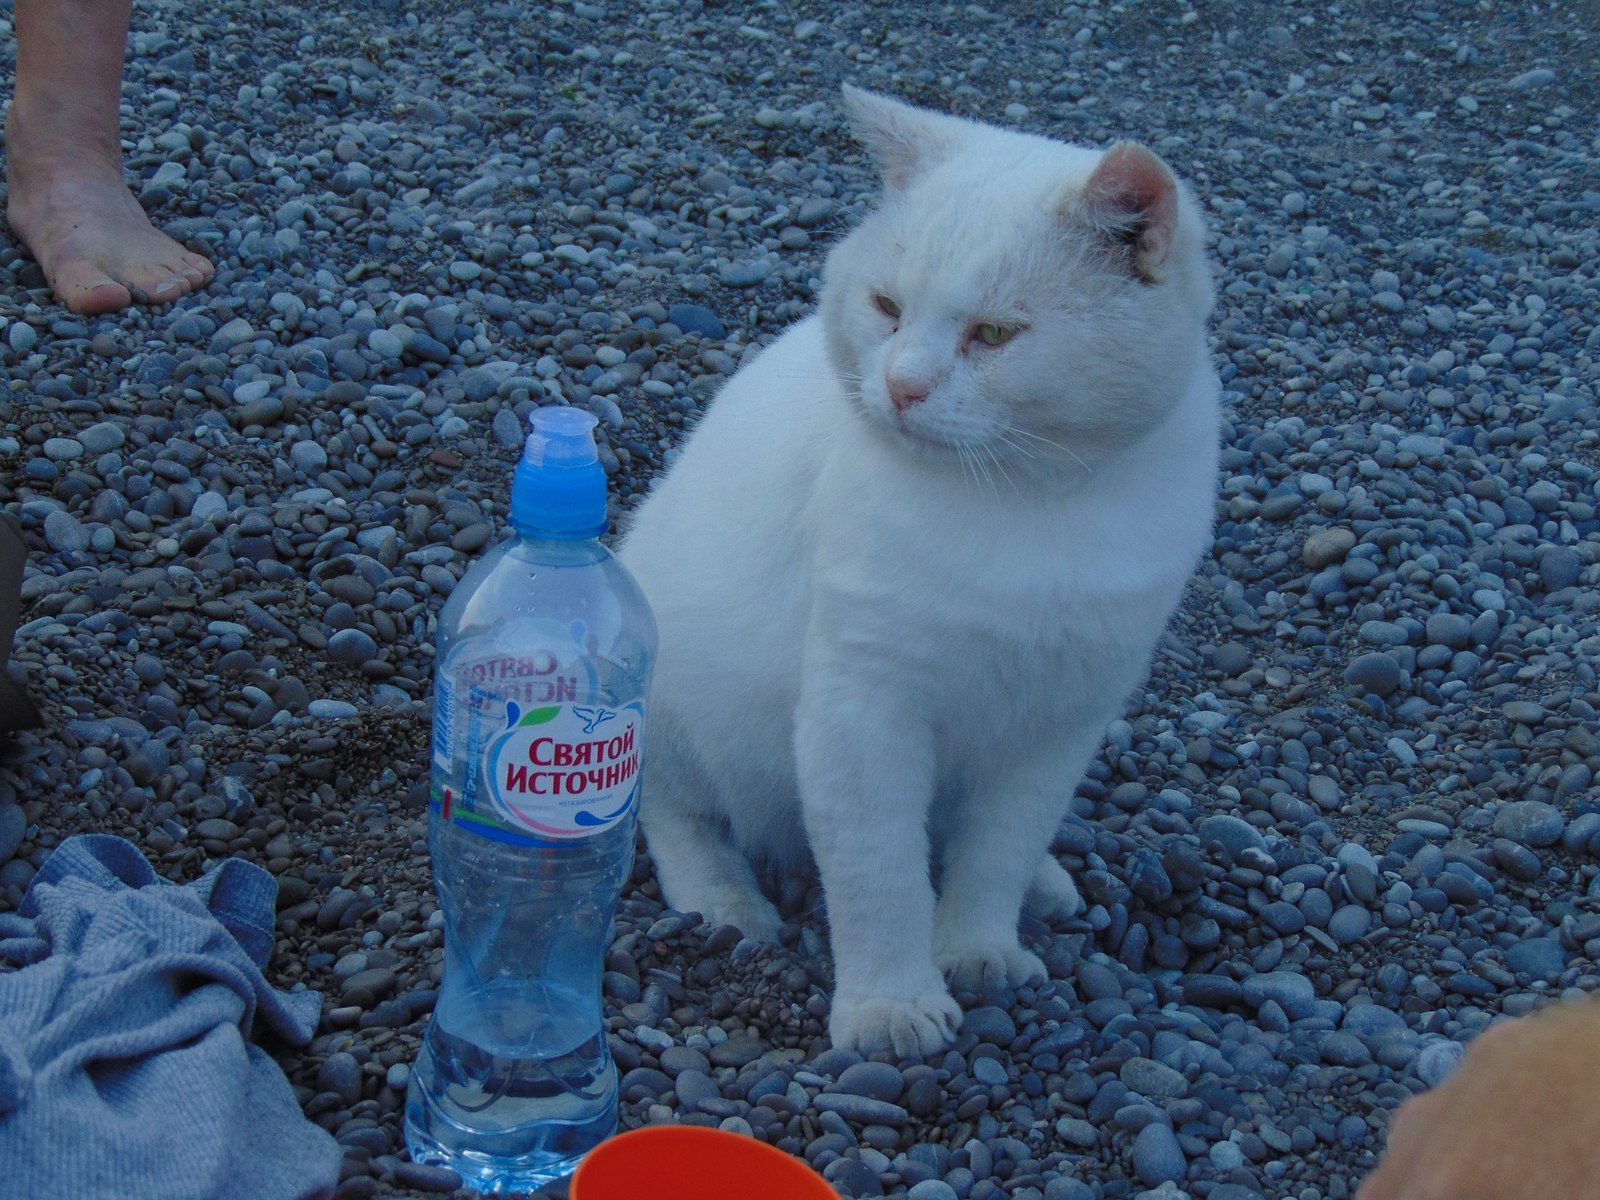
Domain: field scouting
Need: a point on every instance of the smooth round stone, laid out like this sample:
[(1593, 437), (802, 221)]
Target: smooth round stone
[(989, 1071), (932, 1189), (1373, 1020), (353, 647), (1530, 823), (1157, 1157), (743, 274), (1284, 917), (1150, 1078), (1537, 958), (22, 337), (341, 1075), (1345, 1050), (207, 507), (875, 1080), (1516, 860), (385, 344), (1097, 982), (1582, 829), (736, 1052), (427, 1177), (1449, 629), (1212, 991), (1234, 835), (331, 710), (676, 1059), (1524, 712), (861, 1109), (378, 981), (1559, 568), (13, 826), (990, 1024), (696, 318), (1292, 992), (1383, 633), (102, 437), (64, 533), (352, 589), (852, 1177), (834, 1061), (1225, 1156), (1437, 1060), (1325, 547), (1538, 77), (1349, 923), (253, 391), (308, 457), (1377, 672), (694, 1087)]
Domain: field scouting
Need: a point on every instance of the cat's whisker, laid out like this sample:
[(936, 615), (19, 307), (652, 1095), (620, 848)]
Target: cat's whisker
[(1017, 446), (978, 452), (1001, 467), (1053, 445), (969, 466)]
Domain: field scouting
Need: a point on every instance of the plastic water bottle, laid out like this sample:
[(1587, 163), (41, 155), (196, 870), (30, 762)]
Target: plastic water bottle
[(540, 681)]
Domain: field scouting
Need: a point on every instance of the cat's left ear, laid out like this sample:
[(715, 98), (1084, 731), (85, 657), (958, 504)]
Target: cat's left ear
[(905, 140), (1131, 200)]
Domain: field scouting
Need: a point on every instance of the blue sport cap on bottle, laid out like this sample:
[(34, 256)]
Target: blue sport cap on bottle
[(559, 490)]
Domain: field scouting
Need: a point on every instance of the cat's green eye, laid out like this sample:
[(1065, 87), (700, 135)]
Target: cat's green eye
[(886, 306), (991, 334)]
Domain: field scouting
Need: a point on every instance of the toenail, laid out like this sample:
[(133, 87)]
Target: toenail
[(170, 285)]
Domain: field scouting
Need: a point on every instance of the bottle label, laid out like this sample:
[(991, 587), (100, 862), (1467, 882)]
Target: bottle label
[(565, 771), (536, 758)]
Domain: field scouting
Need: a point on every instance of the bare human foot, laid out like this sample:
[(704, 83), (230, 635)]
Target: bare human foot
[(66, 197)]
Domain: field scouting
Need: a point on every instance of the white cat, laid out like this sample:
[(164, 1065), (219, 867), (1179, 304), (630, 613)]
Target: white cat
[(918, 554)]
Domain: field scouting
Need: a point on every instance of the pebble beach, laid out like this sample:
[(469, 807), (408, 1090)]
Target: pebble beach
[(1351, 818)]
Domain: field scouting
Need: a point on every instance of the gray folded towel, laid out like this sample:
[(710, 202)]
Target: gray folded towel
[(125, 1005)]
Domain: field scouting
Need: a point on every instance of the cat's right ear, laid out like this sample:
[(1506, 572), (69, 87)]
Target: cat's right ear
[(906, 141), (1131, 200)]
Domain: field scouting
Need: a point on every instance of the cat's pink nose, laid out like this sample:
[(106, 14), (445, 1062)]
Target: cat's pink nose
[(903, 395)]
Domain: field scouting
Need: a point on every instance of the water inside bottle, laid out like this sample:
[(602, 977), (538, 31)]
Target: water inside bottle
[(511, 1089)]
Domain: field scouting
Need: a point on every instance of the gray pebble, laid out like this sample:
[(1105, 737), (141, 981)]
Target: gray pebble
[(875, 1080), (1150, 1078), (861, 1109), (352, 647), (341, 1074), (1157, 1157), (1326, 546), (13, 827), (1530, 823), (426, 1177)]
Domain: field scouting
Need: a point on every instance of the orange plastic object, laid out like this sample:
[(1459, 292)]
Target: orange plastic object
[(690, 1162)]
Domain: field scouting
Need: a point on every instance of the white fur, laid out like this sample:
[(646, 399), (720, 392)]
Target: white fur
[(897, 638)]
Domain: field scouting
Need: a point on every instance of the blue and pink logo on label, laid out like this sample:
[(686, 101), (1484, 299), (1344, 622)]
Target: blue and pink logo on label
[(564, 771)]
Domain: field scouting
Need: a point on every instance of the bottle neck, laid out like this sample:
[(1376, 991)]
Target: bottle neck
[(559, 550)]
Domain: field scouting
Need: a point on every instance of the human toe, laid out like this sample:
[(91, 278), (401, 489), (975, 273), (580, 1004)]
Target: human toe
[(87, 290)]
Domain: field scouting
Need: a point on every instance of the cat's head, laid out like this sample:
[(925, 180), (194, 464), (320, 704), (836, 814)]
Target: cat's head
[(1013, 298)]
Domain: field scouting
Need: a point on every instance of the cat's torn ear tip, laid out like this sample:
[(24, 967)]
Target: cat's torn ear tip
[(862, 106)]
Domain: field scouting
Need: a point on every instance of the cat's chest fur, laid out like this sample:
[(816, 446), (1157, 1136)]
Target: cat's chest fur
[(1006, 609)]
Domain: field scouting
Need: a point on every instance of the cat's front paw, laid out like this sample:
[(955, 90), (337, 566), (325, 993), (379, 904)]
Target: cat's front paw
[(993, 967), (755, 917), (1052, 896), (914, 1028)]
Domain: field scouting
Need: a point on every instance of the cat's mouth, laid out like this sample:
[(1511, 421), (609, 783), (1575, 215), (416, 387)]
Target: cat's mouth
[(929, 438)]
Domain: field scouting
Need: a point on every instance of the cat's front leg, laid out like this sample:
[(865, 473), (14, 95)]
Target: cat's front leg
[(699, 867), (865, 768), (993, 851)]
